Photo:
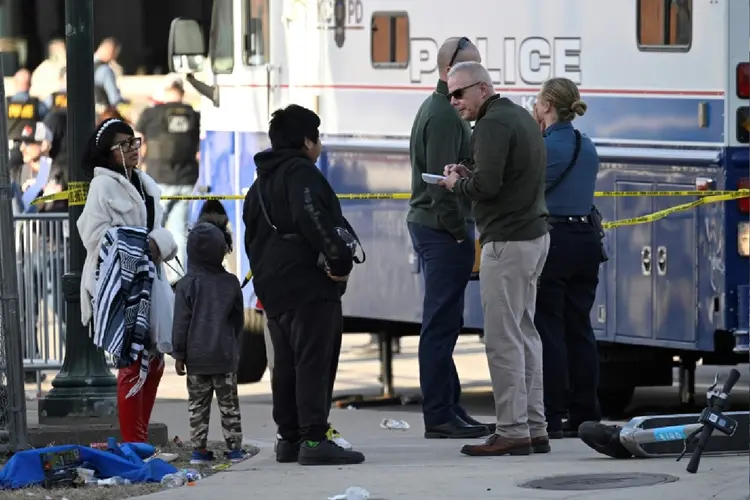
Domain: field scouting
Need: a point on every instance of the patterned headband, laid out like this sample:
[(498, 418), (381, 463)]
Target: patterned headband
[(103, 128)]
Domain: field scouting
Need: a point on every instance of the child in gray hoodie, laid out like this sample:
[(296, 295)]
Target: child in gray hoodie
[(208, 320)]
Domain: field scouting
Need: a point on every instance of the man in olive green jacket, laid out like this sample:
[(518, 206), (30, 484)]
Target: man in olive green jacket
[(443, 239), (506, 187)]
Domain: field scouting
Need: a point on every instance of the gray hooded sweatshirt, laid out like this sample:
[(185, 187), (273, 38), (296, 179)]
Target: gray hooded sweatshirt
[(208, 309)]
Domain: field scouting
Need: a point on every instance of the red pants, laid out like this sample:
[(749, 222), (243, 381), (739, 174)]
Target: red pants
[(134, 413)]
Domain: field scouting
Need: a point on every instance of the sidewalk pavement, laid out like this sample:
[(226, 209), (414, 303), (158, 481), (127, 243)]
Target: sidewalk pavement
[(403, 465)]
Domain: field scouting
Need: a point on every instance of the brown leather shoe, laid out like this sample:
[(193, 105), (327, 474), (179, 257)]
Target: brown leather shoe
[(540, 444), (496, 446)]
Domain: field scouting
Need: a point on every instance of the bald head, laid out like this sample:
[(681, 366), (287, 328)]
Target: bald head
[(22, 80), (467, 52)]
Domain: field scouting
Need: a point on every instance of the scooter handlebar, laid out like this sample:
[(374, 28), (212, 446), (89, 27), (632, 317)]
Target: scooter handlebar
[(734, 376), (719, 403)]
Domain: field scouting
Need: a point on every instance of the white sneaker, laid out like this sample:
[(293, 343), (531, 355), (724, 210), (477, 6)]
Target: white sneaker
[(167, 457), (334, 436)]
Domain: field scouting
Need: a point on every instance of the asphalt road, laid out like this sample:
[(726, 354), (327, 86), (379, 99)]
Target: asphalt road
[(358, 374)]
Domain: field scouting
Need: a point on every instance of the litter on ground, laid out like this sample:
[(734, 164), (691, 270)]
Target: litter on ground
[(393, 424)]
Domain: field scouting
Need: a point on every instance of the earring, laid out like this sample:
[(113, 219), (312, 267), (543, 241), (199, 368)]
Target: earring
[(122, 157)]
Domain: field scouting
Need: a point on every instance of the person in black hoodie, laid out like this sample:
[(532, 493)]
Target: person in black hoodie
[(300, 265), (208, 319)]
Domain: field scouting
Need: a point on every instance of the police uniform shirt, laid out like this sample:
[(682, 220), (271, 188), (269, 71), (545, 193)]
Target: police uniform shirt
[(172, 134), (23, 110), (575, 195)]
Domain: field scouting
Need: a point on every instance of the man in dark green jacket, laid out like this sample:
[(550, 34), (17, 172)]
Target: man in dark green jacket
[(506, 187), (443, 239)]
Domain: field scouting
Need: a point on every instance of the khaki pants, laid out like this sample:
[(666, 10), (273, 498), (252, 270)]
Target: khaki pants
[(269, 344), (508, 281)]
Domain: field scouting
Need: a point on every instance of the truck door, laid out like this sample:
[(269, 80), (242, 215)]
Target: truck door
[(303, 69), (260, 59), (236, 125), (248, 102), (634, 264)]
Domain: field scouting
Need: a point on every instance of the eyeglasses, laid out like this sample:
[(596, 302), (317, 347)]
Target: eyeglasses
[(132, 144), (459, 93), (463, 42)]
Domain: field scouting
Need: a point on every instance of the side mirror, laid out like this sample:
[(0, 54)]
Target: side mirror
[(186, 52), (186, 49)]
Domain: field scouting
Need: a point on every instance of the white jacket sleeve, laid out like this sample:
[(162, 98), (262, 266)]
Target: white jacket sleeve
[(164, 242), (96, 218)]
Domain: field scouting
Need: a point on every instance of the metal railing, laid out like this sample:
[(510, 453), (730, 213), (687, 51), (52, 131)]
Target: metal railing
[(42, 250), (42, 259)]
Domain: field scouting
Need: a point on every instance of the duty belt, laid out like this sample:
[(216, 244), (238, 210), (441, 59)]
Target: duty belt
[(568, 219)]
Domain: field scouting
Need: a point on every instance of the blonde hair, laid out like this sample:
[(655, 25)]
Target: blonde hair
[(564, 97)]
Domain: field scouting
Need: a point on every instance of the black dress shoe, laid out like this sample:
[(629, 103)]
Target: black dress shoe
[(570, 429), (555, 434), (455, 429), (471, 421)]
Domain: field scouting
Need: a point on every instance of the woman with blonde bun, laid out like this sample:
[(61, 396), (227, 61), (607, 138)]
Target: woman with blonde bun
[(567, 287)]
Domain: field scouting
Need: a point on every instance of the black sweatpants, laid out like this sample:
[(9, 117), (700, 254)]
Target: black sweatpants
[(567, 290), (306, 343)]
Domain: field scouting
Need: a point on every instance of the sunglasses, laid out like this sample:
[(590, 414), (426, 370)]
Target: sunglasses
[(131, 144), (459, 93), (463, 42)]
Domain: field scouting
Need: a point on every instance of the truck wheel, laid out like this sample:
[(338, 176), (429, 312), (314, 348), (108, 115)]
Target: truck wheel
[(615, 400), (253, 361)]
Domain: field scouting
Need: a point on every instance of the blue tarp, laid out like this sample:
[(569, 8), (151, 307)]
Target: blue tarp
[(25, 467)]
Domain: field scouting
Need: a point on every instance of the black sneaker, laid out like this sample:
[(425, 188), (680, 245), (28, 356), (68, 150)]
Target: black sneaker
[(603, 438), (286, 451), (327, 453)]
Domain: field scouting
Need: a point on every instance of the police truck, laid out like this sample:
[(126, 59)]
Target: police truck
[(666, 82)]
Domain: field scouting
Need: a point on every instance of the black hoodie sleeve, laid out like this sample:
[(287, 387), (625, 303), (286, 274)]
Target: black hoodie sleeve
[(315, 221), (249, 220), (183, 314), (238, 309)]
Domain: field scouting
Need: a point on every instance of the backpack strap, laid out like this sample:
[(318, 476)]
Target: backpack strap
[(565, 173), (284, 236)]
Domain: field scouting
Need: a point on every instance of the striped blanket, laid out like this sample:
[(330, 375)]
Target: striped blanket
[(122, 299)]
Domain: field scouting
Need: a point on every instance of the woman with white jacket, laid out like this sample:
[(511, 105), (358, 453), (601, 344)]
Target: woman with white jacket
[(121, 195)]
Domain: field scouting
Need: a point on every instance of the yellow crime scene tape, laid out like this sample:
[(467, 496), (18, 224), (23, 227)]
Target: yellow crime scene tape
[(77, 192), (76, 195), (703, 200)]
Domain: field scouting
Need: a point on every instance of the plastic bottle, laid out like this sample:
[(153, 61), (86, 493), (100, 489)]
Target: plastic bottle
[(113, 481), (393, 424), (173, 480), (352, 493), (191, 475), (356, 493)]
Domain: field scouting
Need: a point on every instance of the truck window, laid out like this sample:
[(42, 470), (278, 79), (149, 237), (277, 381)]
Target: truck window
[(221, 45), (256, 33), (390, 40), (665, 24)]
